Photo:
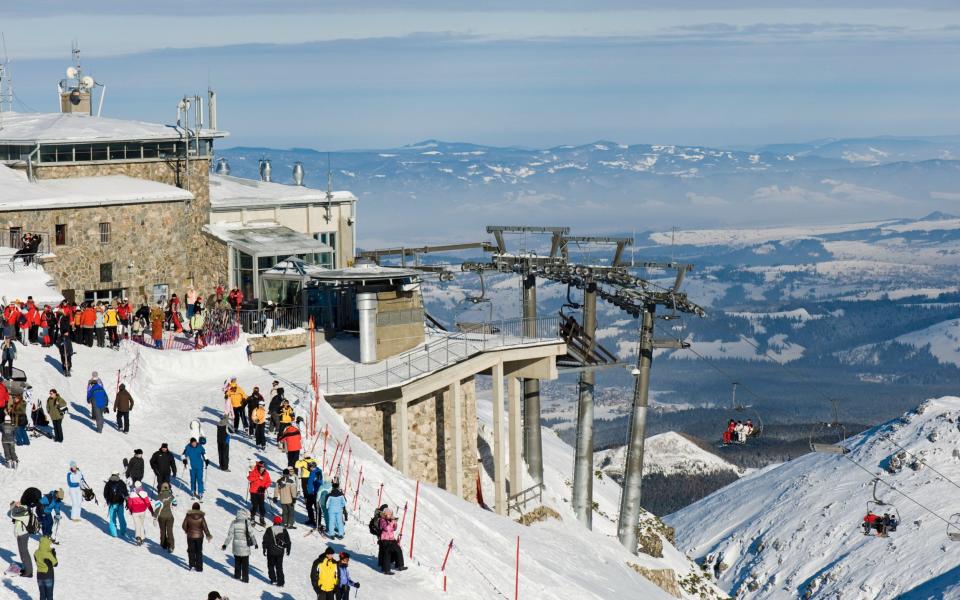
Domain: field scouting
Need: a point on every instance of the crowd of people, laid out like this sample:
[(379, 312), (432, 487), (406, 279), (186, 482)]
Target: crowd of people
[(737, 432), (128, 496)]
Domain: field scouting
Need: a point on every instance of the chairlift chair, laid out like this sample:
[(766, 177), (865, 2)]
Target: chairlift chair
[(820, 431), (953, 528), (472, 303), (757, 420), (886, 507)]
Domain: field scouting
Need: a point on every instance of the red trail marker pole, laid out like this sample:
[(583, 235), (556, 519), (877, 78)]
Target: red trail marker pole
[(443, 566), (403, 522), (346, 483), (356, 495), (413, 525), (380, 496)]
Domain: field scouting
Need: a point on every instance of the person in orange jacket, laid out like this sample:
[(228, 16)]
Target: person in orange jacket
[(88, 319), (291, 439)]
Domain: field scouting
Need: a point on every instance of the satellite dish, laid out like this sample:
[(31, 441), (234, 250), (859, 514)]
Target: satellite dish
[(71, 72), (87, 82)]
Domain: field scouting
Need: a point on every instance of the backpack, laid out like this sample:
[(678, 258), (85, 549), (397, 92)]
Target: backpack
[(33, 524), (374, 525)]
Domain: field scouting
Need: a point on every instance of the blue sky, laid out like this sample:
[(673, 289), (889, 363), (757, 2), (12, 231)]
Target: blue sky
[(334, 75)]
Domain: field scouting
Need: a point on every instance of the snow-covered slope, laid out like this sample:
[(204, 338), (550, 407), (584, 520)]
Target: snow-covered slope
[(667, 454), (942, 340), (793, 531), (171, 389)]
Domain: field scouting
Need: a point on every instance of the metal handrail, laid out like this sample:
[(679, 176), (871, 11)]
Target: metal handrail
[(436, 353)]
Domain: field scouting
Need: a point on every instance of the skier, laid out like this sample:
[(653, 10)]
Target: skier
[(236, 396), (276, 542), (9, 352), (390, 552), (240, 540), (75, 489), (254, 400), (46, 558), (20, 515), (99, 402), (259, 481), (56, 408), (344, 581), (194, 453), (286, 494), (65, 344), (748, 427), (115, 493), (740, 432), (276, 401), (50, 510), (728, 433), (323, 575), (290, 440), (258, 418), (224, 429), (8, 437), (195, 526), (336, 510), (164, 465), (323, 517), (122, 405), (312, 488), (165, 517), (139, 504), (18, 412), (134, 467)]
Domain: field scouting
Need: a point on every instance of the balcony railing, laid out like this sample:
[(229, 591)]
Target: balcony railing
[(441, 350), (269, 320)]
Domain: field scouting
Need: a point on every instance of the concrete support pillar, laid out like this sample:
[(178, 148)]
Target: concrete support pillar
[(403, 437), (499, 457), (633, 472), (582, 499), (532, 444), (455, 483), (515, 436)]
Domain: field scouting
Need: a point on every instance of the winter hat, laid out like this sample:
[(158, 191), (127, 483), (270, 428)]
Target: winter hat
[(73, 464), (137, 485), (214, 596), (94, 375), (138, 451), (163, 445), (117, 473), (328, 551), (277, 520)]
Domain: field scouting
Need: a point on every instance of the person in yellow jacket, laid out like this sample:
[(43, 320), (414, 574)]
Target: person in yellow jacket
[(304, 467), (110, 323), (323, 575), (286, 414), (236, 396), (259, 418)]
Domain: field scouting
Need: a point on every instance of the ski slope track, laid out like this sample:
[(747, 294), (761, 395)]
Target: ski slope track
[(793, 530)]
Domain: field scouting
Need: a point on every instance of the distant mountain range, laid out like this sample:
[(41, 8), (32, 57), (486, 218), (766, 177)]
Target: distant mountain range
[(435, 190)]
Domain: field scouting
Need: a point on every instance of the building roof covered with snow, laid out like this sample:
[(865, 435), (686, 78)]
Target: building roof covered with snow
[(236, 192), (18, 193), (39, 128)]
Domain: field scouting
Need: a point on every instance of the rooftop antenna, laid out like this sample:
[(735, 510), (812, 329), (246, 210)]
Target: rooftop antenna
[(327, 215), (76, 89)]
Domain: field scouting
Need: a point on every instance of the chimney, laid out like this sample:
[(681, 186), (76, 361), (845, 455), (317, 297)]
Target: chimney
[(223, 167), (266, 170), (298, 173), (212, 108)]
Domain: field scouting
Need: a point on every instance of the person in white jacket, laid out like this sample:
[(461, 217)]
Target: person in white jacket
[(75, 490)]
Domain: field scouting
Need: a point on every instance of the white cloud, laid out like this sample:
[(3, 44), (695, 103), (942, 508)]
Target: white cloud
[(706, 200), (792, 194)]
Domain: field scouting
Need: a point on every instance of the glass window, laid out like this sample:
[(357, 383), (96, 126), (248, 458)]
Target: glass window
[(106, 272), (102, 295), (116, 152), (266, 262), (98, 152), (329, 238), (15, 233), (60, 234), (133, 151), (150, 151), (80, 153), (104, 233), (246, 261)]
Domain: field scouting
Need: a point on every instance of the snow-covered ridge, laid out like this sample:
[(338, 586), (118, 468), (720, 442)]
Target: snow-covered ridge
[(793, 531), (667, 454)]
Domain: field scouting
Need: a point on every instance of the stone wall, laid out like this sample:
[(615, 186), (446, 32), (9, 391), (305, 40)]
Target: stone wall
[(430, 435), (280, 341), (396, 335), (155, 243)]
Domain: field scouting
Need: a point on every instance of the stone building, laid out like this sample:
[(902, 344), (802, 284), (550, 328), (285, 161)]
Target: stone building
[(125, 208)]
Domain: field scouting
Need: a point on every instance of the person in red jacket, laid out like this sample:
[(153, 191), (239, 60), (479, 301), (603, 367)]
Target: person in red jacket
[(292, 440), (728, 434), (33, 321), (259, 481), (872, 521)]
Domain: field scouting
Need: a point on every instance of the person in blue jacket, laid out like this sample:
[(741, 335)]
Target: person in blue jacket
[(336, 505), (197, 457), (314, 483), (344, 582), (323, 517), (98, 401), (51, 506)]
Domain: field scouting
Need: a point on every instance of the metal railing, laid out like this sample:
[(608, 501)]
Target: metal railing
[(439, 351), (13, 238), (268, 320), (519, 501)]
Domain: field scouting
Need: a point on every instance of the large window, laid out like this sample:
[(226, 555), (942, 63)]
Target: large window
[(60, 234), (102, 295), (327, 259), (104, 233), (106, 272)]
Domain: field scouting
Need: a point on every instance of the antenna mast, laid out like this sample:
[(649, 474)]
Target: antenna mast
[(6, 82), (327, 215)]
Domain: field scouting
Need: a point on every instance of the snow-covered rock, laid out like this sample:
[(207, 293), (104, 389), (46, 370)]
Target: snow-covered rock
[(668, 454)]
